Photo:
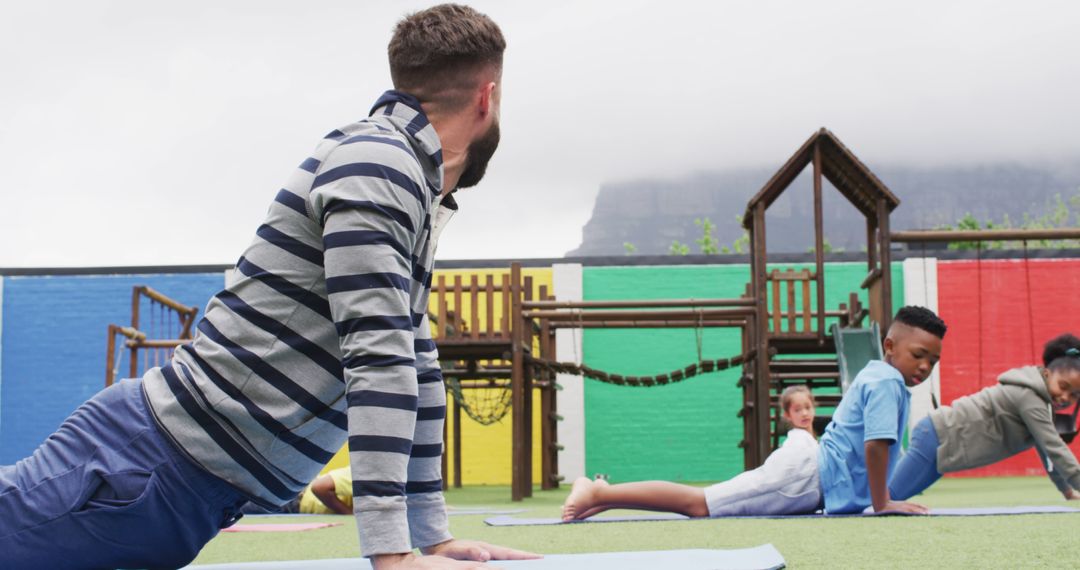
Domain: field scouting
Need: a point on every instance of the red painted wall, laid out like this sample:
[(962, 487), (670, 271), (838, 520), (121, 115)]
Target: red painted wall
[(999, 314)]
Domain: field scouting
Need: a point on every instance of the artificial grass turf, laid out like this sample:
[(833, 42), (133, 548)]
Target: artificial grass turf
[(893, 542)]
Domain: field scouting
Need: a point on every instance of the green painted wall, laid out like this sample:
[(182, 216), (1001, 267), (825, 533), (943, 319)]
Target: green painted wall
[(688, 431)]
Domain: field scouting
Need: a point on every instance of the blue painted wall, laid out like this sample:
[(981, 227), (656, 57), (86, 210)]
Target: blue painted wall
[(53, 344)]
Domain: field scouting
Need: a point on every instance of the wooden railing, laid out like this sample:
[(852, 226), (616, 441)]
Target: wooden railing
[(787, 317)]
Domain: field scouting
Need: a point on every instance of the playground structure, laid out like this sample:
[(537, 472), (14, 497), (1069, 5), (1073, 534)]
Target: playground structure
[(158, 325), (496, 336), (782, 319)]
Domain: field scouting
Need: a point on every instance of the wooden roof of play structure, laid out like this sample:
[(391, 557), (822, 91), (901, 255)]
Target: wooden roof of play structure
[(839, 166), (788, 330)]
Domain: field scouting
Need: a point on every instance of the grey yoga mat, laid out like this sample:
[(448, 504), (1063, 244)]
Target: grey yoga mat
[(504, 520), (764, 557)]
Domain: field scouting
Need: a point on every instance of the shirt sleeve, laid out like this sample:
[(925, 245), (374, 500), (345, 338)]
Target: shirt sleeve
[(428, 524), (1040, 422), (881, 411), (370, 199), (1054, 474)]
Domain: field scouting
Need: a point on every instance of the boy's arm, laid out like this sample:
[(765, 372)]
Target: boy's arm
[(325, 490), (877, 476), (882, 405)]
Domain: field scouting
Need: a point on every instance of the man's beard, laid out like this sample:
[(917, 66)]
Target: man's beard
[(479, 154)]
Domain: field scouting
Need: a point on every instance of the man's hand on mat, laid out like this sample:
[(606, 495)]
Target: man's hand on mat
[(905, 507), (414, 562), (478, 551)]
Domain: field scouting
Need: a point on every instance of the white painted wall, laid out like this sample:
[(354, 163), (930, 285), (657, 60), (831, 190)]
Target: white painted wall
[(1, 336), (920, 288), (567, 284)]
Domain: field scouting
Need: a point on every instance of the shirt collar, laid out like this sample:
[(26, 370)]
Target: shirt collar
[(404, 110)]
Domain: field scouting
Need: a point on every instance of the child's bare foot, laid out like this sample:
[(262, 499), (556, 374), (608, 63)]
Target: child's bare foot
[(579, 501)]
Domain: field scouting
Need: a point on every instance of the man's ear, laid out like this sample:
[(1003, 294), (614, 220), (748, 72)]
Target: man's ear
[(487, 94)]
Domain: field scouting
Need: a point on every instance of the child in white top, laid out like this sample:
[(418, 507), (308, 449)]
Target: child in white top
[(787, 483)]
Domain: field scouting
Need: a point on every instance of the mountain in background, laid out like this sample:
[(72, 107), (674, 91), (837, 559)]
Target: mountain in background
[(651, 214)]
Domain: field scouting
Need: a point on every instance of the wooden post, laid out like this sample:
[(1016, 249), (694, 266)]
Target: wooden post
[(886, 265), (489, 297), (759, 445), (748, 369), (134, 353), (806, 302), (110, 351), (506, 307), (527, 388), (790, 305), (459, 317), (474, 307), (442, 328), (457, 444), (549, 453), (871, 244), (775, 301), (517, 385), (819, 244)]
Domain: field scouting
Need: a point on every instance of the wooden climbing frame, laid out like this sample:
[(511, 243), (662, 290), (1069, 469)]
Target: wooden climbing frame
[(159, 324)]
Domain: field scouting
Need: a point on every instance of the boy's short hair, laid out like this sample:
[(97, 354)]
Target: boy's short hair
[(435, 53), (921, 318)]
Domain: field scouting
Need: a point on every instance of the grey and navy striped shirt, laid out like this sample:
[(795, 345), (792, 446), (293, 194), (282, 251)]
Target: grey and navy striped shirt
[(322, 333)]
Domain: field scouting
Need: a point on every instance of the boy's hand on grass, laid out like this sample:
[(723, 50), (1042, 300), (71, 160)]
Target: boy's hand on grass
[(905, 507), (1070, 495), (478, 551)]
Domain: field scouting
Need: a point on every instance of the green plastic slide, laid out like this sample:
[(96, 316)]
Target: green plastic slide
[(855, 348)]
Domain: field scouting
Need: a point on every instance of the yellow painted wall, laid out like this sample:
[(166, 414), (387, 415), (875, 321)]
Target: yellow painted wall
[(485, 450)]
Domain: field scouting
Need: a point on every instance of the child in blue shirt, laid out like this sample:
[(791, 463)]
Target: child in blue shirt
[(861, 445)]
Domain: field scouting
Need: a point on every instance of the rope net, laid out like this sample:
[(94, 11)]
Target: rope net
[(700, 367), (486, 405)]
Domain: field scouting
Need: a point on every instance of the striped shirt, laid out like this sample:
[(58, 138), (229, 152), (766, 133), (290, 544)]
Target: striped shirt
[(321, 334)]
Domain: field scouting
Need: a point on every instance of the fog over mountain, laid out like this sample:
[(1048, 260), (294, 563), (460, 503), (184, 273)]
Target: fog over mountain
[(652, 213)]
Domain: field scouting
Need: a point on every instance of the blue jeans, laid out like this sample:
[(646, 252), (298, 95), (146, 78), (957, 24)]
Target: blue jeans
[(917, 469), (108, 490)]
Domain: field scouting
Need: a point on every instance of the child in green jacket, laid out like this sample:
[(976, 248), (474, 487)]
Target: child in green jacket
[(999, 422)]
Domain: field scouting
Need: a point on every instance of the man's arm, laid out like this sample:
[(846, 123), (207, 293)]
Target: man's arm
[(428, 524), (371, 208)]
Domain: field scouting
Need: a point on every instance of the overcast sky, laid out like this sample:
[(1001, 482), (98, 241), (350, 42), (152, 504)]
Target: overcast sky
[(142, 132)]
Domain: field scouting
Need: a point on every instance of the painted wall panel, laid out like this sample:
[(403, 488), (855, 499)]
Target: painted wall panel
[(54, 345), (999, 314), (485, 450), (687, 431)]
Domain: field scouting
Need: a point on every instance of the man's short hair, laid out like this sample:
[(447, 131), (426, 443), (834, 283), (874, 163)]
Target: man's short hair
[(435, 54), (921, 318)]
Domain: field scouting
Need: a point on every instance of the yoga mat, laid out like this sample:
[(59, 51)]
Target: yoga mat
[(944, 512), (273, 527), (450, 511), (764, 557)]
